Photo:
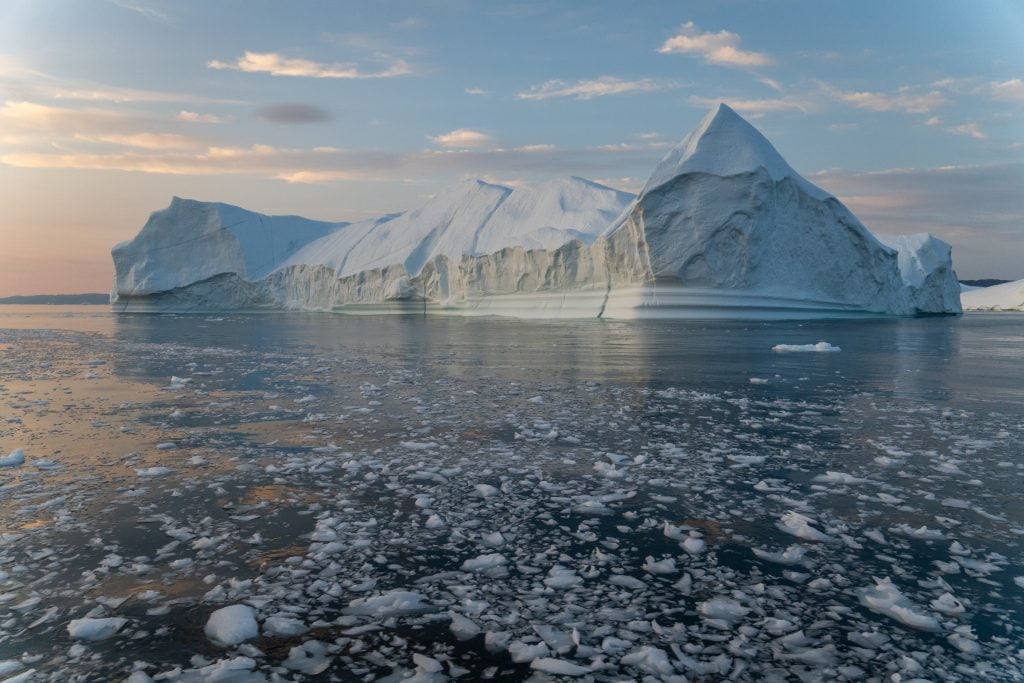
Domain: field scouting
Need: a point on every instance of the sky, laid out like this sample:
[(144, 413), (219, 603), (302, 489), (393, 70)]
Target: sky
[(911, 113)]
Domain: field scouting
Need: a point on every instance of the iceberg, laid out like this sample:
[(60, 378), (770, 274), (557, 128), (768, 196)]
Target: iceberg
[(724, 227), (1008, 296)]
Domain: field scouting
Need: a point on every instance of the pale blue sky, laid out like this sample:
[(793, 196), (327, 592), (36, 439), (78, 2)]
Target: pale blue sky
[(910, 112)]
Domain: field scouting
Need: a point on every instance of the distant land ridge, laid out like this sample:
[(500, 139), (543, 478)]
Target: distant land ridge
[(57, 299)]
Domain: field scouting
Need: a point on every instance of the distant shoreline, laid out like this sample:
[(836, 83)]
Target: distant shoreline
[(57, 299)]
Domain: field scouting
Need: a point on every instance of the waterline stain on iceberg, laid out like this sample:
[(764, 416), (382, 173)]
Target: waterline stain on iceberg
[(724, 227)]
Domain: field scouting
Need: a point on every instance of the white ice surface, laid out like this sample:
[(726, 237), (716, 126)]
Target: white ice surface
[(1008, 296), (95, 629), (13, 459), (821, 347), (232, 625), (723, 228)]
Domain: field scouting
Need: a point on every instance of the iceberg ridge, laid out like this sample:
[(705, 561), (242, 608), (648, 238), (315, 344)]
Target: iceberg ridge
[(724, 227)]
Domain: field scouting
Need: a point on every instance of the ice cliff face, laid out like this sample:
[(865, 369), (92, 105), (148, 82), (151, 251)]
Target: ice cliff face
[(191, 241), (723, 227)]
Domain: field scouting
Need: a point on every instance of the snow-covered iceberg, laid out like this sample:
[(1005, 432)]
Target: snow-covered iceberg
[(724, 227), (1008, 296)]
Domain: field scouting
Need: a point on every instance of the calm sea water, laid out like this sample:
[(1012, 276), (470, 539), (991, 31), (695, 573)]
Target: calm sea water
[(602, 500)]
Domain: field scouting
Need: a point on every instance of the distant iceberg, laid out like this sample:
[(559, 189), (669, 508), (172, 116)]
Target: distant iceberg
[(724, 227), (1008, 296)]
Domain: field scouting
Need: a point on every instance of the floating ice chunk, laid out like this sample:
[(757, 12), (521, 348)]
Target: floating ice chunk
[(725, 609), (9, 666), (283, 626), (524, 652), (886, 599), (1019, 580), (676, 533), (14, 459), (463, 627), (758, 380), (95, 629), (627, 582), (23, 677), (418, 445), (800, 526), (494, 540), (434, 521), (558, 666), (497, 641), (791, 555), (820, 347), (485, 490), (232, 625), (484, 562), (427, 664), (153, 471), (819, 657), (666, 566), (831, 477), (963, 639), (392, 604), (650, 659), (694, 545), (237, 670), (309, 658), (561, 578), (948, 604)]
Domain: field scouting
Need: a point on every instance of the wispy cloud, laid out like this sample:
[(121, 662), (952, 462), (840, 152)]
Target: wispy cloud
[(144, 9), (589, 89), (293, 113), (196, 117), (35, 118), (153, 141), (720, 48), (905, 100), (475, 91), (757, 106), (276, 65), (461, 138), (970, 129), (1008, 91), (21, 82)]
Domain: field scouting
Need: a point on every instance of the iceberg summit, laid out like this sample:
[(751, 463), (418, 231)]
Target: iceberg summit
[(723, 228)]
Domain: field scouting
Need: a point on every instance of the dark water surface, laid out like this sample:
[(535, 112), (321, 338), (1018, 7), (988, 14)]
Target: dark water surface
[(510, 499)]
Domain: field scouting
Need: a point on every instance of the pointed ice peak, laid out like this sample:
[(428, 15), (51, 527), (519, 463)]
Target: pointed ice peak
[(725, 144)]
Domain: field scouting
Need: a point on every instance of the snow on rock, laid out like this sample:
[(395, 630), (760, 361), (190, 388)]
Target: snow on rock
[(1008, 296), (232, 625), (822, 347), (95, 629), (886, 599), (13, 459), (724, 227)]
